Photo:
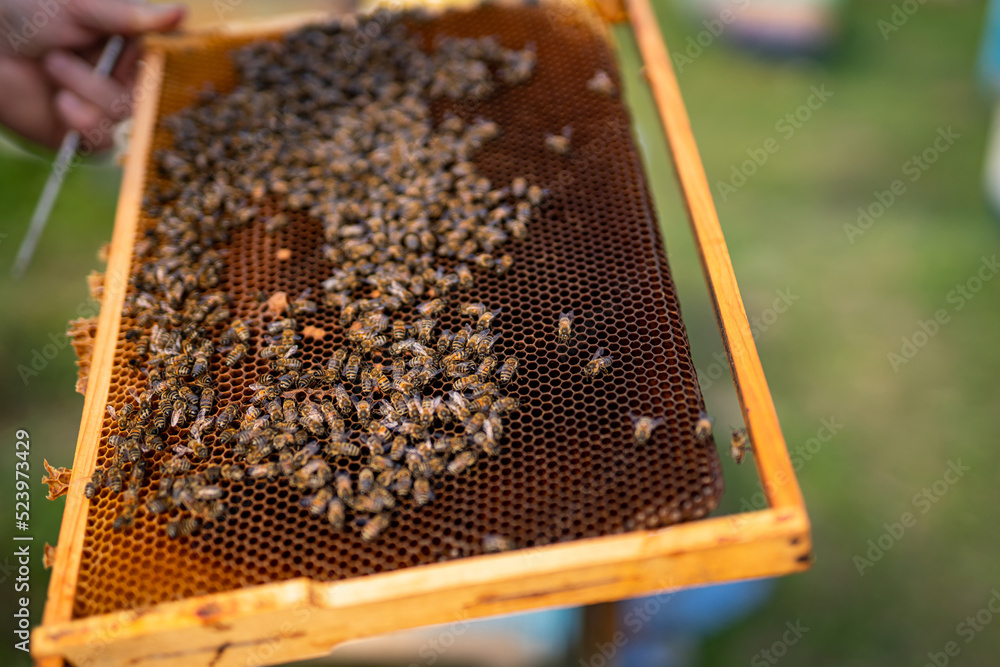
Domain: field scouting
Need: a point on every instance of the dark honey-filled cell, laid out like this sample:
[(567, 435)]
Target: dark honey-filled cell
[(570, 468)]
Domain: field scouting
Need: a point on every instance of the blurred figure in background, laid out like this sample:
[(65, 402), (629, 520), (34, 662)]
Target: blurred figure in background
[(47, 52), (783, 28), (989, 75)]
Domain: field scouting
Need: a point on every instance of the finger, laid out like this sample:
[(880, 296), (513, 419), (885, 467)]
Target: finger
[(125, 18), (127, 65), (75, 74), (86, 118)]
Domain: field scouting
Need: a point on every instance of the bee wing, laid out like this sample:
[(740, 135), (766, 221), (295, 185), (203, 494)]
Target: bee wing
[(656, 423), (598, 354)]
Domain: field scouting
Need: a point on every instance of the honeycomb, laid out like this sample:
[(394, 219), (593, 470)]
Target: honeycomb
[(570, 468)]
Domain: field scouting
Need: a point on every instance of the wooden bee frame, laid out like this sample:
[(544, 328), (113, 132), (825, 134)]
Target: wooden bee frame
[(303, 618)]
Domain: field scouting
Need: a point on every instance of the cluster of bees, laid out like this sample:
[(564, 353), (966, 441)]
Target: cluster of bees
[(345, 135), (316, 127)]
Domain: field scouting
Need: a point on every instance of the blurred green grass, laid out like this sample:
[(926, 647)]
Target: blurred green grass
[(825, 357)]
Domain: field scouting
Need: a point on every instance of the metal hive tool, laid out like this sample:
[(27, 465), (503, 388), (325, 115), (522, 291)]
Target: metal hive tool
[(570, 468)]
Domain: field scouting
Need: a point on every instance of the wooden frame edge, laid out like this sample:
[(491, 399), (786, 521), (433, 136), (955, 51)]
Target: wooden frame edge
[(757, 544), (62, 585), (770, 452)]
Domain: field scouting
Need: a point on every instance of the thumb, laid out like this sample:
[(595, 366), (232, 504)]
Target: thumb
[(115, 17)]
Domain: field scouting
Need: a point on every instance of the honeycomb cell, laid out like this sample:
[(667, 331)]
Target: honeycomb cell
[(570, 468)]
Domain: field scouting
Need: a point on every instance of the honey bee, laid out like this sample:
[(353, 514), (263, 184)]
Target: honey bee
[(703, 428), (363, 407), (422, 493), (382, 383), (601, 83), (286, 364), (400, 330), (463, 383), (565, 327), (559, 143), (465, 279), (352, 366), (503, 265), (311, 418), (486, 319), (238, 351), (124, 520), (333, 420), (344, 400), (644, 427), (232, 472), (598, 364), (398, 448), (240, 330), (461, 338), (535, 195), (183, 527), (344, 486), (471, 309), (482, 403), (95, 483), (380, 431), (270, 469), (739, 442), (496, 543), (519, 187), (113, 479), (200, 366), (272, 351), (381, 463), (374, 527), (401, 482), (318, 502), (138, 471), (336, 363), (474, 423), (508, 369), (157, 505), (226, 416), (425, 329), (519, 231), (431, 308), (340, 445), (366, 480), (489, 446), (486, 343), (208, 493), (206, 400), (461, 462), (278, 326)]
